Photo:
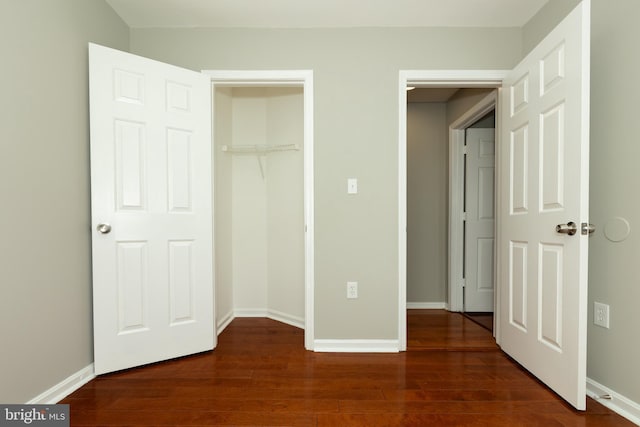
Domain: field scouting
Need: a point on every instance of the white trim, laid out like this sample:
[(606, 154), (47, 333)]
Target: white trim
[(618, 403), (296, 321), (497, 230), (423, 78), (427, 305), (309, 209), (456, 195), (454, 78), (259, 78), (402, 210), (250, 312), (356, 346), (276, 315), (224, 322), (65, 387), (302, 78)]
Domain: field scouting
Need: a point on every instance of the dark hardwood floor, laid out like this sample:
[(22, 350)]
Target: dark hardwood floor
[(452, 375), (483, 319)]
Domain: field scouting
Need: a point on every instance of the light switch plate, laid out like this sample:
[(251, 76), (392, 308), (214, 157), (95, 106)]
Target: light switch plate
[(352, 186)]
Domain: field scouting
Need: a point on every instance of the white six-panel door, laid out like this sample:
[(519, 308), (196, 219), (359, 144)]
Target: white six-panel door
[(151, 210), (544, 183), (479, 220)]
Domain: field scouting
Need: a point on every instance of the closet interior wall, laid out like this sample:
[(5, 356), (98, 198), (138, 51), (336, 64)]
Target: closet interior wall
[(259, 204)]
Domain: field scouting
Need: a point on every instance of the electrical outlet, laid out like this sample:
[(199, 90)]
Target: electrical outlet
[(601, 314), (352, 290)]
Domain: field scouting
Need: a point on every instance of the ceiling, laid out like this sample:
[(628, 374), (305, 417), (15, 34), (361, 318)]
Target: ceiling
[(325, 13)]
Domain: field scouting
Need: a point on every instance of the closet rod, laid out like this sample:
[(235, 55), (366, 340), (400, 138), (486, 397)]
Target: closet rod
[(259, 149)]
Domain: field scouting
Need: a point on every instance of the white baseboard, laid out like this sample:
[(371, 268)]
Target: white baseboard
[(250, 312), (224, 322), (279, 316), (296, 321), (618, 403), (64, 388), (427, 305), (356, 346)]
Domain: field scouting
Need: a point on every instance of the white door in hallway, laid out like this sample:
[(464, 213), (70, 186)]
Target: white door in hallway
[(479, 220), (151, 201), (544, 178)]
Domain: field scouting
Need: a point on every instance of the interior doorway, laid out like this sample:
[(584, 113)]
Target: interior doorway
[(468, 115), (484, 84)]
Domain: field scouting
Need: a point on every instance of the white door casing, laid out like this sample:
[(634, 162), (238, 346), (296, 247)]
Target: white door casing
[(479, 220), (544, 159), (151, 182)]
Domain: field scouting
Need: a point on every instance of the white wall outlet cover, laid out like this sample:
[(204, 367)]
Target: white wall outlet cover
[(352, 290), (601, 314)]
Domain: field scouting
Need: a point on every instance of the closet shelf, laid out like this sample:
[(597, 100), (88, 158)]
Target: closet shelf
[(259, 149)]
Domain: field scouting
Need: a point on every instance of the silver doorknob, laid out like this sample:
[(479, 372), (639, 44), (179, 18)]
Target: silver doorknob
[(587, 228), (104, 228), (569, 228)]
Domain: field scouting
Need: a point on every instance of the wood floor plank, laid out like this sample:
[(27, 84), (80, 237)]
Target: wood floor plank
[(260, 374), (452, 407), (531, 419)]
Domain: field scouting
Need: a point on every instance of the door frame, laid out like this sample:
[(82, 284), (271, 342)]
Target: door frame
[(435, 79), (286, 78), (457, 137)]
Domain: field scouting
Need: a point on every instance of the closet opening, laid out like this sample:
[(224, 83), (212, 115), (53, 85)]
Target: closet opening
[(262, 181)]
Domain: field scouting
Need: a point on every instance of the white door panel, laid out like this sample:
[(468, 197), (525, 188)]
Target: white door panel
[(544, 159), (151, 181), (480, 218)]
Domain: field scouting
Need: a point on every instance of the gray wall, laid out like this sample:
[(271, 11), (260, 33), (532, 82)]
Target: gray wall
[(463, 100), (45, 251), (545, 21), (614, 278), (427, 201), (356, 135), (613, 354)]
